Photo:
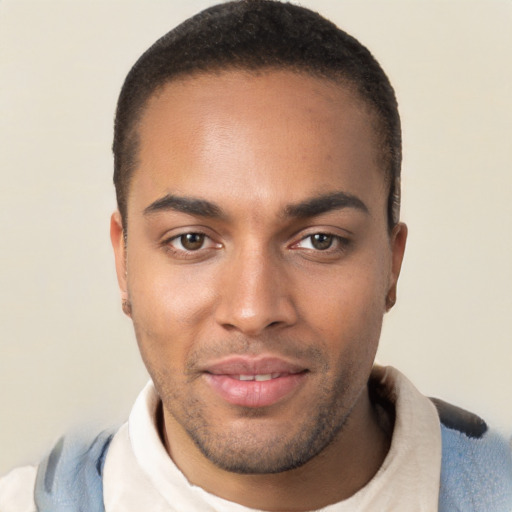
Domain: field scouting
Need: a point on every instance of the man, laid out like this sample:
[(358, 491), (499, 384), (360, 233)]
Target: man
[(258, 246)]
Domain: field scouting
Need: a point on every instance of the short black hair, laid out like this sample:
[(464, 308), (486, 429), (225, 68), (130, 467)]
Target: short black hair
[(256, 35)]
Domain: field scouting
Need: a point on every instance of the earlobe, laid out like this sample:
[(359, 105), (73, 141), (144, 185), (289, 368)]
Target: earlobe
[(119, 246), (398, 241)]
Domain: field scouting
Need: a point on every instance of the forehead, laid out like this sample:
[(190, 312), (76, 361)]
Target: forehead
[(251, 137)]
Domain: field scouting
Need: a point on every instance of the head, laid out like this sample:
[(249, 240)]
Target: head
[(257, 153)]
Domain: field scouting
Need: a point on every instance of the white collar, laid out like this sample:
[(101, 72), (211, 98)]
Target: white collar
[(139, 473)]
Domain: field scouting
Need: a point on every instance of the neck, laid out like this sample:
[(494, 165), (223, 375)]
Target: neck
[(338, 472)]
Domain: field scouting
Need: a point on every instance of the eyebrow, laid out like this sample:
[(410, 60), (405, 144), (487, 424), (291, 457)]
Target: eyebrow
[(308, 208), (325, 203), (190, 205)]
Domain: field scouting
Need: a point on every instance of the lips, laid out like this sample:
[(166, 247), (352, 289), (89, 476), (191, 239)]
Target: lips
[(254, 382)]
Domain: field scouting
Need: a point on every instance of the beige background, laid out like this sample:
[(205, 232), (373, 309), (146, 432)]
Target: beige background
[(68, 355)]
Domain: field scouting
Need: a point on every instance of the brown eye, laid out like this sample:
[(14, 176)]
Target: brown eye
[(321, 241), (192, 241)]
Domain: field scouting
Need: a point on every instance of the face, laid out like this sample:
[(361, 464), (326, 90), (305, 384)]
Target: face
[(257, 263)]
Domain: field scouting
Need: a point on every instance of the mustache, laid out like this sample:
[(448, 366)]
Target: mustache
[(308, 354)]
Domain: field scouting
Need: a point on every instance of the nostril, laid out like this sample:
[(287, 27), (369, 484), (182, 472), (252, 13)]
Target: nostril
[(229, 327)]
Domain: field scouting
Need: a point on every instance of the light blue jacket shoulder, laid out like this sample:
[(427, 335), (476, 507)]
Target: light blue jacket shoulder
[(69, 479), (476, 467)]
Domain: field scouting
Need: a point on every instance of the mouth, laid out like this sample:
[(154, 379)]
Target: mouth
[(258, 378), (254, 382)]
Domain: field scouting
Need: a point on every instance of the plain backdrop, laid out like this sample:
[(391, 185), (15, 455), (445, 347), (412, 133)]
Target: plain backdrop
[(68, 354)]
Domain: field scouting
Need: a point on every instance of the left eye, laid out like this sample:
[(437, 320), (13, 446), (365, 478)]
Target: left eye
[(318, 241)]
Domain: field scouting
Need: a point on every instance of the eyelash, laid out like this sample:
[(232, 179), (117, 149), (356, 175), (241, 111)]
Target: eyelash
[(340, 243), (183, 252)]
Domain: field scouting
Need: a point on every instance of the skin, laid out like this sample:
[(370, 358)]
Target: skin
[(260, 283)]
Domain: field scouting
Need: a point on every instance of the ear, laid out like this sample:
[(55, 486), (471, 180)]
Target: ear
[(118, 244), (398, 241)]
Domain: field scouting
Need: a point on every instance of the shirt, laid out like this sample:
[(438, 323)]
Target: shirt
[(139, 473)]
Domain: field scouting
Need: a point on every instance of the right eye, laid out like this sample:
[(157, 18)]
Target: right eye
[(191, 245), (188, 241)]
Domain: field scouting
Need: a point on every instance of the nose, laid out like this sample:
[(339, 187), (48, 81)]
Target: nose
[(255, 293)]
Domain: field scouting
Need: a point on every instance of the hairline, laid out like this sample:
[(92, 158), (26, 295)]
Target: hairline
[(338, 78)]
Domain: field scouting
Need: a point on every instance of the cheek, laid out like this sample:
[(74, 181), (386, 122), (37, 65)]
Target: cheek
[(347, 307), (169, 304)]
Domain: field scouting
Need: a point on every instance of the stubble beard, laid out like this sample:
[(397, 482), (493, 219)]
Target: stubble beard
[(255, 446), (252, 451)]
